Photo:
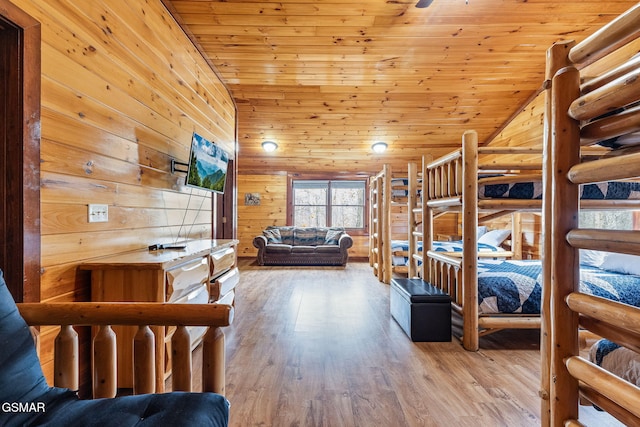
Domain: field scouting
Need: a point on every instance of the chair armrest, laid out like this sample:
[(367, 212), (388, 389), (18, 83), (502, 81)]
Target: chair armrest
[(345, 241), (259, 242), (117, 313)]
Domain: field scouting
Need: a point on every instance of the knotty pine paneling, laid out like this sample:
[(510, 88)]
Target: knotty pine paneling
[(271, 211), (123, 88)]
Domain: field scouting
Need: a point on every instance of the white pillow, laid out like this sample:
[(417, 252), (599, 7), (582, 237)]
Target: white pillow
[(621, 263), (494, 237), (591, 257), (482, 230)]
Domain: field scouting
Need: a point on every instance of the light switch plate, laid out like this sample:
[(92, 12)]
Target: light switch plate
[(98, 213)]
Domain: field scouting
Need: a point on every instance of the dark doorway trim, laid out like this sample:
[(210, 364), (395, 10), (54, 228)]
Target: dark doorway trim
[(20, 146)]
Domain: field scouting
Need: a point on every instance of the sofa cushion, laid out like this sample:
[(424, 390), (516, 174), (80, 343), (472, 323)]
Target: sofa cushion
[(286, 233), (303, 249), (273, 235), (328, 249), (144, 410), (304, 236), (278, 248), (332, 236)]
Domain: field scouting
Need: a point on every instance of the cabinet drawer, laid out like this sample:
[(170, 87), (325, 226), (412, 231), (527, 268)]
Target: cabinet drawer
[(181, 280), (222, 260), (223, 284)]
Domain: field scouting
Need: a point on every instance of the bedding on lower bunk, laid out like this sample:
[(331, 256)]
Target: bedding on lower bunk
[(514, 286), (618, 190), (618, 360)]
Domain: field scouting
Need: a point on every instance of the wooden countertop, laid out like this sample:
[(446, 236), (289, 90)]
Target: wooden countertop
[(159, 259)]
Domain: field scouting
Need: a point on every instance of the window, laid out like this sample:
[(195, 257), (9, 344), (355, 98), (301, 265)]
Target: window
[(329, 203), (611, 220)]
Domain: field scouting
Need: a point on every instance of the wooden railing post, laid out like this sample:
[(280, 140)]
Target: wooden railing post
[(104, 363), (213, 361), (144, 364), (470, 338), (65, 359), (181, 359)]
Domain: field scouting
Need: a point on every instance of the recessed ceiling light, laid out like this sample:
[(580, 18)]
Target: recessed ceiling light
[(379, 147), (269, 146)]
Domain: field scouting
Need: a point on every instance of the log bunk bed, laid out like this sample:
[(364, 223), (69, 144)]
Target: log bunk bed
[(388, 196), (452, 184), (595, 97)]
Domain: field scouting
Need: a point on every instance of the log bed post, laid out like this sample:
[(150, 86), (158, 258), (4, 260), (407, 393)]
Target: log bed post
[(557, 58), (565, 152), (470, 333), (427, 219), (387, 253), (412, 197)]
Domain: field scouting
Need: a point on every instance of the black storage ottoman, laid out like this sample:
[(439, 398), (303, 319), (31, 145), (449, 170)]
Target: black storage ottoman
[(422, 310)]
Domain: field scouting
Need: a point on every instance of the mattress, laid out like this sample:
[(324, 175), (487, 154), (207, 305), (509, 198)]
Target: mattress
[(514, 286)]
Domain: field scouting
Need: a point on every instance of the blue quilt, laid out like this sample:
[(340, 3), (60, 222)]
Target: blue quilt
[(514, 286), (533, 190)]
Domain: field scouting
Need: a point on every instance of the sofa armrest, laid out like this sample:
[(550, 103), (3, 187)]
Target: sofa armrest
[(345, 242), (259, 242)]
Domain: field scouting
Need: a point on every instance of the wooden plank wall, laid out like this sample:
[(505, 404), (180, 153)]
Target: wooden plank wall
[(123, 89), (525, 130), (272, 209)]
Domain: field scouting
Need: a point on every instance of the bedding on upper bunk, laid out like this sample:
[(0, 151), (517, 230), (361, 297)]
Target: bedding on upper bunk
[(514, 286), (618, 190), (400, 187)]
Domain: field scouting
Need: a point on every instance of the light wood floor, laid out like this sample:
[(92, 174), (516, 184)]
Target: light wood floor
[(318, 347)]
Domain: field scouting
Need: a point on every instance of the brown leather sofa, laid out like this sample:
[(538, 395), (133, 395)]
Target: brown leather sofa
[(303, 246)]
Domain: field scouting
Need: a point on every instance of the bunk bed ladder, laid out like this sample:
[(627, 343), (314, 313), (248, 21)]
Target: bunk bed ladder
[(570, 309)]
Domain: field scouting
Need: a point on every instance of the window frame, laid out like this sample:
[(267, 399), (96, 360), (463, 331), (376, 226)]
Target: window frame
[(364, 231)]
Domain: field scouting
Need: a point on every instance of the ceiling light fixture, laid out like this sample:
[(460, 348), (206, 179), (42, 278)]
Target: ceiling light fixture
[(269, 146), (379, 147)]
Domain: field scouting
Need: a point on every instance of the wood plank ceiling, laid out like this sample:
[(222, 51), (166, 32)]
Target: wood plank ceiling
[(327, 78)]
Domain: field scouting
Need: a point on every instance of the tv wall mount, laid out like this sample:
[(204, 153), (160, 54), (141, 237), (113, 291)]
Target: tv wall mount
[(175, 164)]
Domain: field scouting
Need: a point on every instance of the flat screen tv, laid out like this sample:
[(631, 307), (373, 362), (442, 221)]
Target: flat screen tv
[(207, 165)]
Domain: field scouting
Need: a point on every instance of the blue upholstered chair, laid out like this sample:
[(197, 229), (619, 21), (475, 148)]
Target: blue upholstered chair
[(27, 399)]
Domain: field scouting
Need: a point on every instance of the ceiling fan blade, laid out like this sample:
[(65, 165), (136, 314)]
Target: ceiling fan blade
[(424, 3)]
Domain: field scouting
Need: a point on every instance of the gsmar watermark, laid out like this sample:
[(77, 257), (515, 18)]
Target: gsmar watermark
[(21, 407)]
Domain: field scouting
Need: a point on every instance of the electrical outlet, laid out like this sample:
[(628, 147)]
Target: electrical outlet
[(98, 213)]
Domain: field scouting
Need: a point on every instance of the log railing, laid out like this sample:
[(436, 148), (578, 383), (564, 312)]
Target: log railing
[(445, 273), (103, 315)]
